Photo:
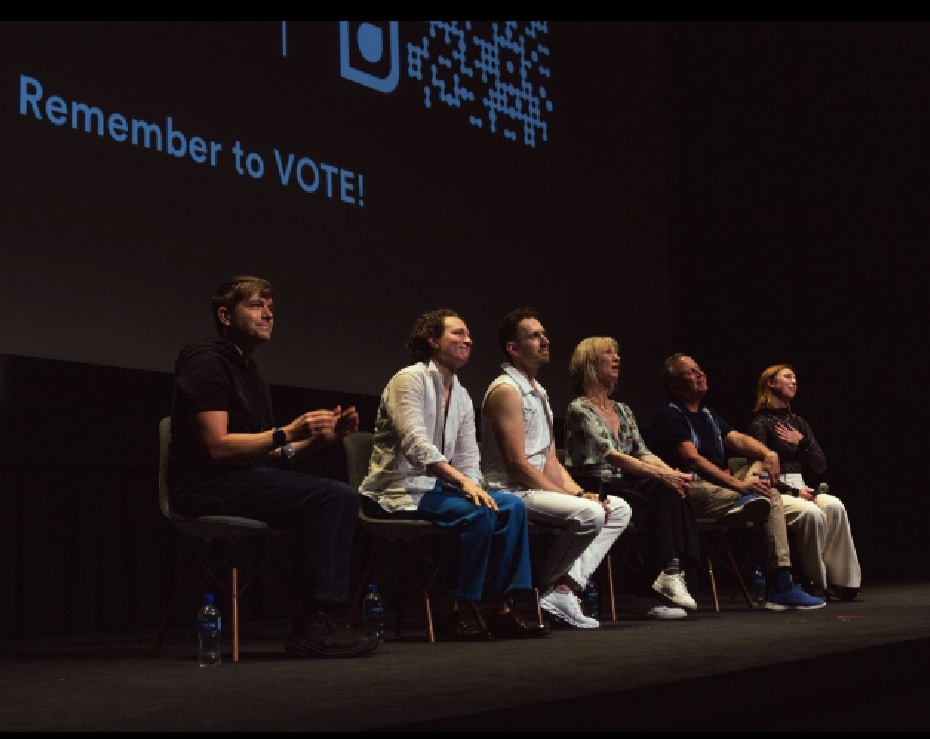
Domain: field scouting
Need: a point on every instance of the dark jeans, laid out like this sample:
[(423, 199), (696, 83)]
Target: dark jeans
[(665, 526), (321, 513)]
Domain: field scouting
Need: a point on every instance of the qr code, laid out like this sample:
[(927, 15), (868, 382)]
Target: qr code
[(497, 72)]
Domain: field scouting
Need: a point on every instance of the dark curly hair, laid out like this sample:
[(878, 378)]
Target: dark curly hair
[(428, 326)]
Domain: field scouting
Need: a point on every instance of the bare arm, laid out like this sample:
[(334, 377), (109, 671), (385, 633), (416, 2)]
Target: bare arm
[(754, 449), (308, 432), (651, 466), (709, 471), (503, 408)]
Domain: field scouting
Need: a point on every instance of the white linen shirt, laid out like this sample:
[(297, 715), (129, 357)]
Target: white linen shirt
[(537, 430), (412, 431)]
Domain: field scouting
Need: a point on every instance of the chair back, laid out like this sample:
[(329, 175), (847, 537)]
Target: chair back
[(164, 439), (736, 465), (358, 446)]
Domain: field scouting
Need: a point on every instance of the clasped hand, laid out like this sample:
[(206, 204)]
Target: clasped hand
[(597, 498), (329, 424), (678, 481)]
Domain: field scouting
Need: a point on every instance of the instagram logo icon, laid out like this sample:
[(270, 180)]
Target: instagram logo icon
[(369, 54)]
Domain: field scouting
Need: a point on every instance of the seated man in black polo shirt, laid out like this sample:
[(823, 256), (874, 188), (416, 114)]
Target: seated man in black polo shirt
[(229, 457)]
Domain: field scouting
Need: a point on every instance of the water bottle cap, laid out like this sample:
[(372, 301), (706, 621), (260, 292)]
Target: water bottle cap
[(372, 588), (208, 597)]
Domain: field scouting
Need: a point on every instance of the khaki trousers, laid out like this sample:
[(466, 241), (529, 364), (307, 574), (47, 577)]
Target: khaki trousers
[(713, 501)]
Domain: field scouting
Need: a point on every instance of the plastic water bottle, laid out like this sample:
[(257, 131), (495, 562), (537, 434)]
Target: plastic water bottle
[(757, 586), (209, 631), (373, 613), (590, 599)]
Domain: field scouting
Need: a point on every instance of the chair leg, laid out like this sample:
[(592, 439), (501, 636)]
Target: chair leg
[(479, 619), (430, 632), (610, 589), (539, 617), (739, 578), (234, 600), (713, 583), (360, 590)]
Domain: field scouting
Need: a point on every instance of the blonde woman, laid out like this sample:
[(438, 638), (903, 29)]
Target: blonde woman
[(601, 435)]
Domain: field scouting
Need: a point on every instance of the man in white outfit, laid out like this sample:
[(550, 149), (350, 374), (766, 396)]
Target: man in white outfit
[(518, 454)]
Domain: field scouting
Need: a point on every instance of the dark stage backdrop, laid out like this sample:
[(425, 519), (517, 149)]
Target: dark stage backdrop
[(371, 170), (799, 201)]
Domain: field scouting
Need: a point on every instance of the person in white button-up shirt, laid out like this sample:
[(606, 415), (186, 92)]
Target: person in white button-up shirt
[(425, 464)]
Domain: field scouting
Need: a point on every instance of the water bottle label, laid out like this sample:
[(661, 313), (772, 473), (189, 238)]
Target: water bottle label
[(210, 624)]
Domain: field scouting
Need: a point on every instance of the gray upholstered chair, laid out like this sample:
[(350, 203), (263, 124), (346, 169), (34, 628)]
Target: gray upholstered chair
[(715, 535), (207, 530), (402, 549)]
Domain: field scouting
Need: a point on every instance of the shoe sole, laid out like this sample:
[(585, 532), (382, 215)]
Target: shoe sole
[(304, 649), (752, 511), (782, 607), (533, 632), (687, 605), (663, 616), (566, 620)]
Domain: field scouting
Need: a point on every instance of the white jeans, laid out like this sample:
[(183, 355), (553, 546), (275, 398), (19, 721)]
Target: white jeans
[(585, 536), (822, 536)]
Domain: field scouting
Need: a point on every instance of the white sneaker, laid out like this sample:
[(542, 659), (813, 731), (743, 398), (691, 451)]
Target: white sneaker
[(665, 612), (565, 606), (648, 608), (673, 587)]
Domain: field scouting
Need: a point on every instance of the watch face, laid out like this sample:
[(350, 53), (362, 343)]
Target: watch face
[(278, 438)]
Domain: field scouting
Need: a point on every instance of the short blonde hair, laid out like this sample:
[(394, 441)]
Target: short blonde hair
[(582, 367)]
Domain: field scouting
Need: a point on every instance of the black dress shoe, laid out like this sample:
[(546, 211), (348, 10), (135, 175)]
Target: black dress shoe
[(512, 625), (456, 628), (842, 593)]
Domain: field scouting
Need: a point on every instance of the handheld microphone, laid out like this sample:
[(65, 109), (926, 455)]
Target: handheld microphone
[(605, 477)]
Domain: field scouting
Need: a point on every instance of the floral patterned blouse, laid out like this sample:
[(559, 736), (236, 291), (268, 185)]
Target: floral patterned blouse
[(588, 438)]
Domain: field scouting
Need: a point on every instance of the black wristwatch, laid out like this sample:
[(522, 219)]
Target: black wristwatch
[(278, 438)]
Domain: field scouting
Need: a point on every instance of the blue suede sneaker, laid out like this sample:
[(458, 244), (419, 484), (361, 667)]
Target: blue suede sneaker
[(794, 600)]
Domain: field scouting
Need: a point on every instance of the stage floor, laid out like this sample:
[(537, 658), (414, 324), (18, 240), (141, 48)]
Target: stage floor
[(858, 666)]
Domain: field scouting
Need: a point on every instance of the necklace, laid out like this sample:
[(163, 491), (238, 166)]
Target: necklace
[(605, 407)]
